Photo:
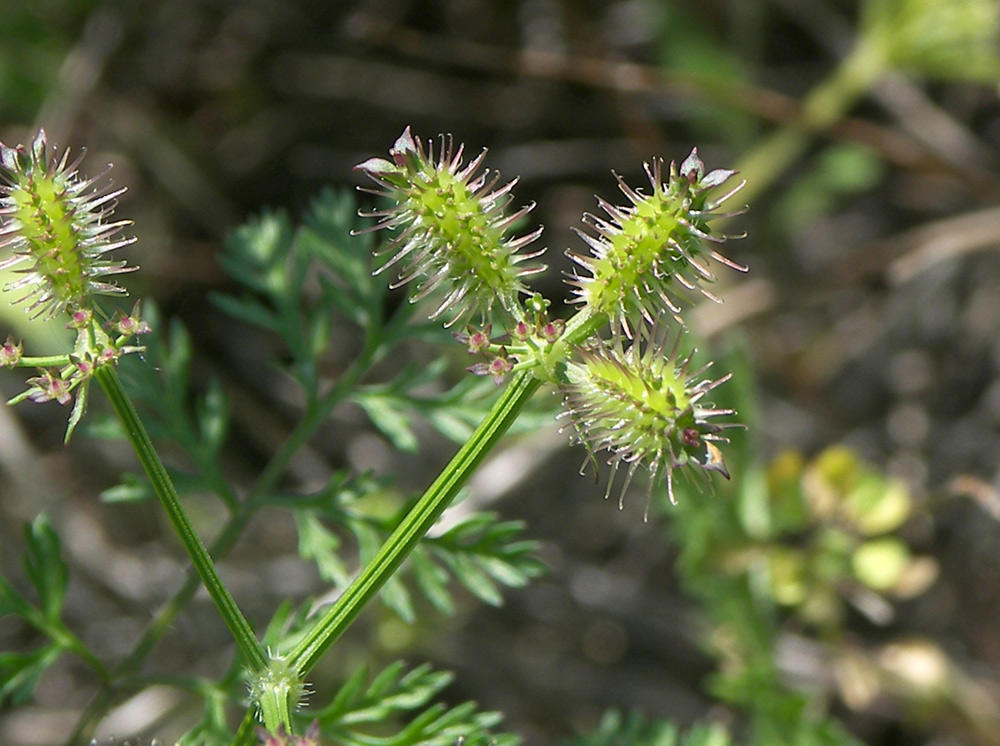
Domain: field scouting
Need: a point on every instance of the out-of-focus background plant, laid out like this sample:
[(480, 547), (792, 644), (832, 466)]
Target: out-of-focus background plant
[(850, 570)]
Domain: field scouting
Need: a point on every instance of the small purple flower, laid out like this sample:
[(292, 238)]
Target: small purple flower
[(521, 331), (498, 367), (80, 318), (49, 386), (10, 353), (129, 325), (551, 331), (476, 340)]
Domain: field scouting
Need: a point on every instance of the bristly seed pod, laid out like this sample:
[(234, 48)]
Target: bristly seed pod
[(644, 254), (451, 227), (643, 405), (56, 223)]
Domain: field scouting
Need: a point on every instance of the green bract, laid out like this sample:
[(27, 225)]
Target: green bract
[(276, 691)]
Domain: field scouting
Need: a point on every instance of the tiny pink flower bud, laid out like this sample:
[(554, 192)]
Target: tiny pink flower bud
[(521, 331), (479, 341), (499, 368), (129, 325), (476, 340), (552, 330), (49, 386), (108, 355), (126, 326), (10, 353), (80, 318)]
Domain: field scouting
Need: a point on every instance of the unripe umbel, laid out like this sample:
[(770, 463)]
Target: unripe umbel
[(644, 254), (451, 228), (56, 224), (642, 404)]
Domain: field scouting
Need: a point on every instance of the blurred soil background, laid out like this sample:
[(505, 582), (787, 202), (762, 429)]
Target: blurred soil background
[(871, 313)]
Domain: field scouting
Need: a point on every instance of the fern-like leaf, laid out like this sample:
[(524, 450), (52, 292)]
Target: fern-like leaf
[(404, 701), (634, 730)]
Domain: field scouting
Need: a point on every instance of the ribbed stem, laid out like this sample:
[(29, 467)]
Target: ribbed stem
[(417, 522), (164, 488), (408, 533)]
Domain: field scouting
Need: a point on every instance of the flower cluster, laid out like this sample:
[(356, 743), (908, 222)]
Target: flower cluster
[(95, 347), (632, 395), (452, 228), (57, 227), (528, 344), (496, 363)]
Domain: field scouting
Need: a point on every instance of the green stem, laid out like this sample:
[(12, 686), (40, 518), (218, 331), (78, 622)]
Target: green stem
[(408, 533), (415, 524), (222, 544), (124, 676), (314, 417), (47, 361), (422, 516), (825, 105), (164, 488)]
